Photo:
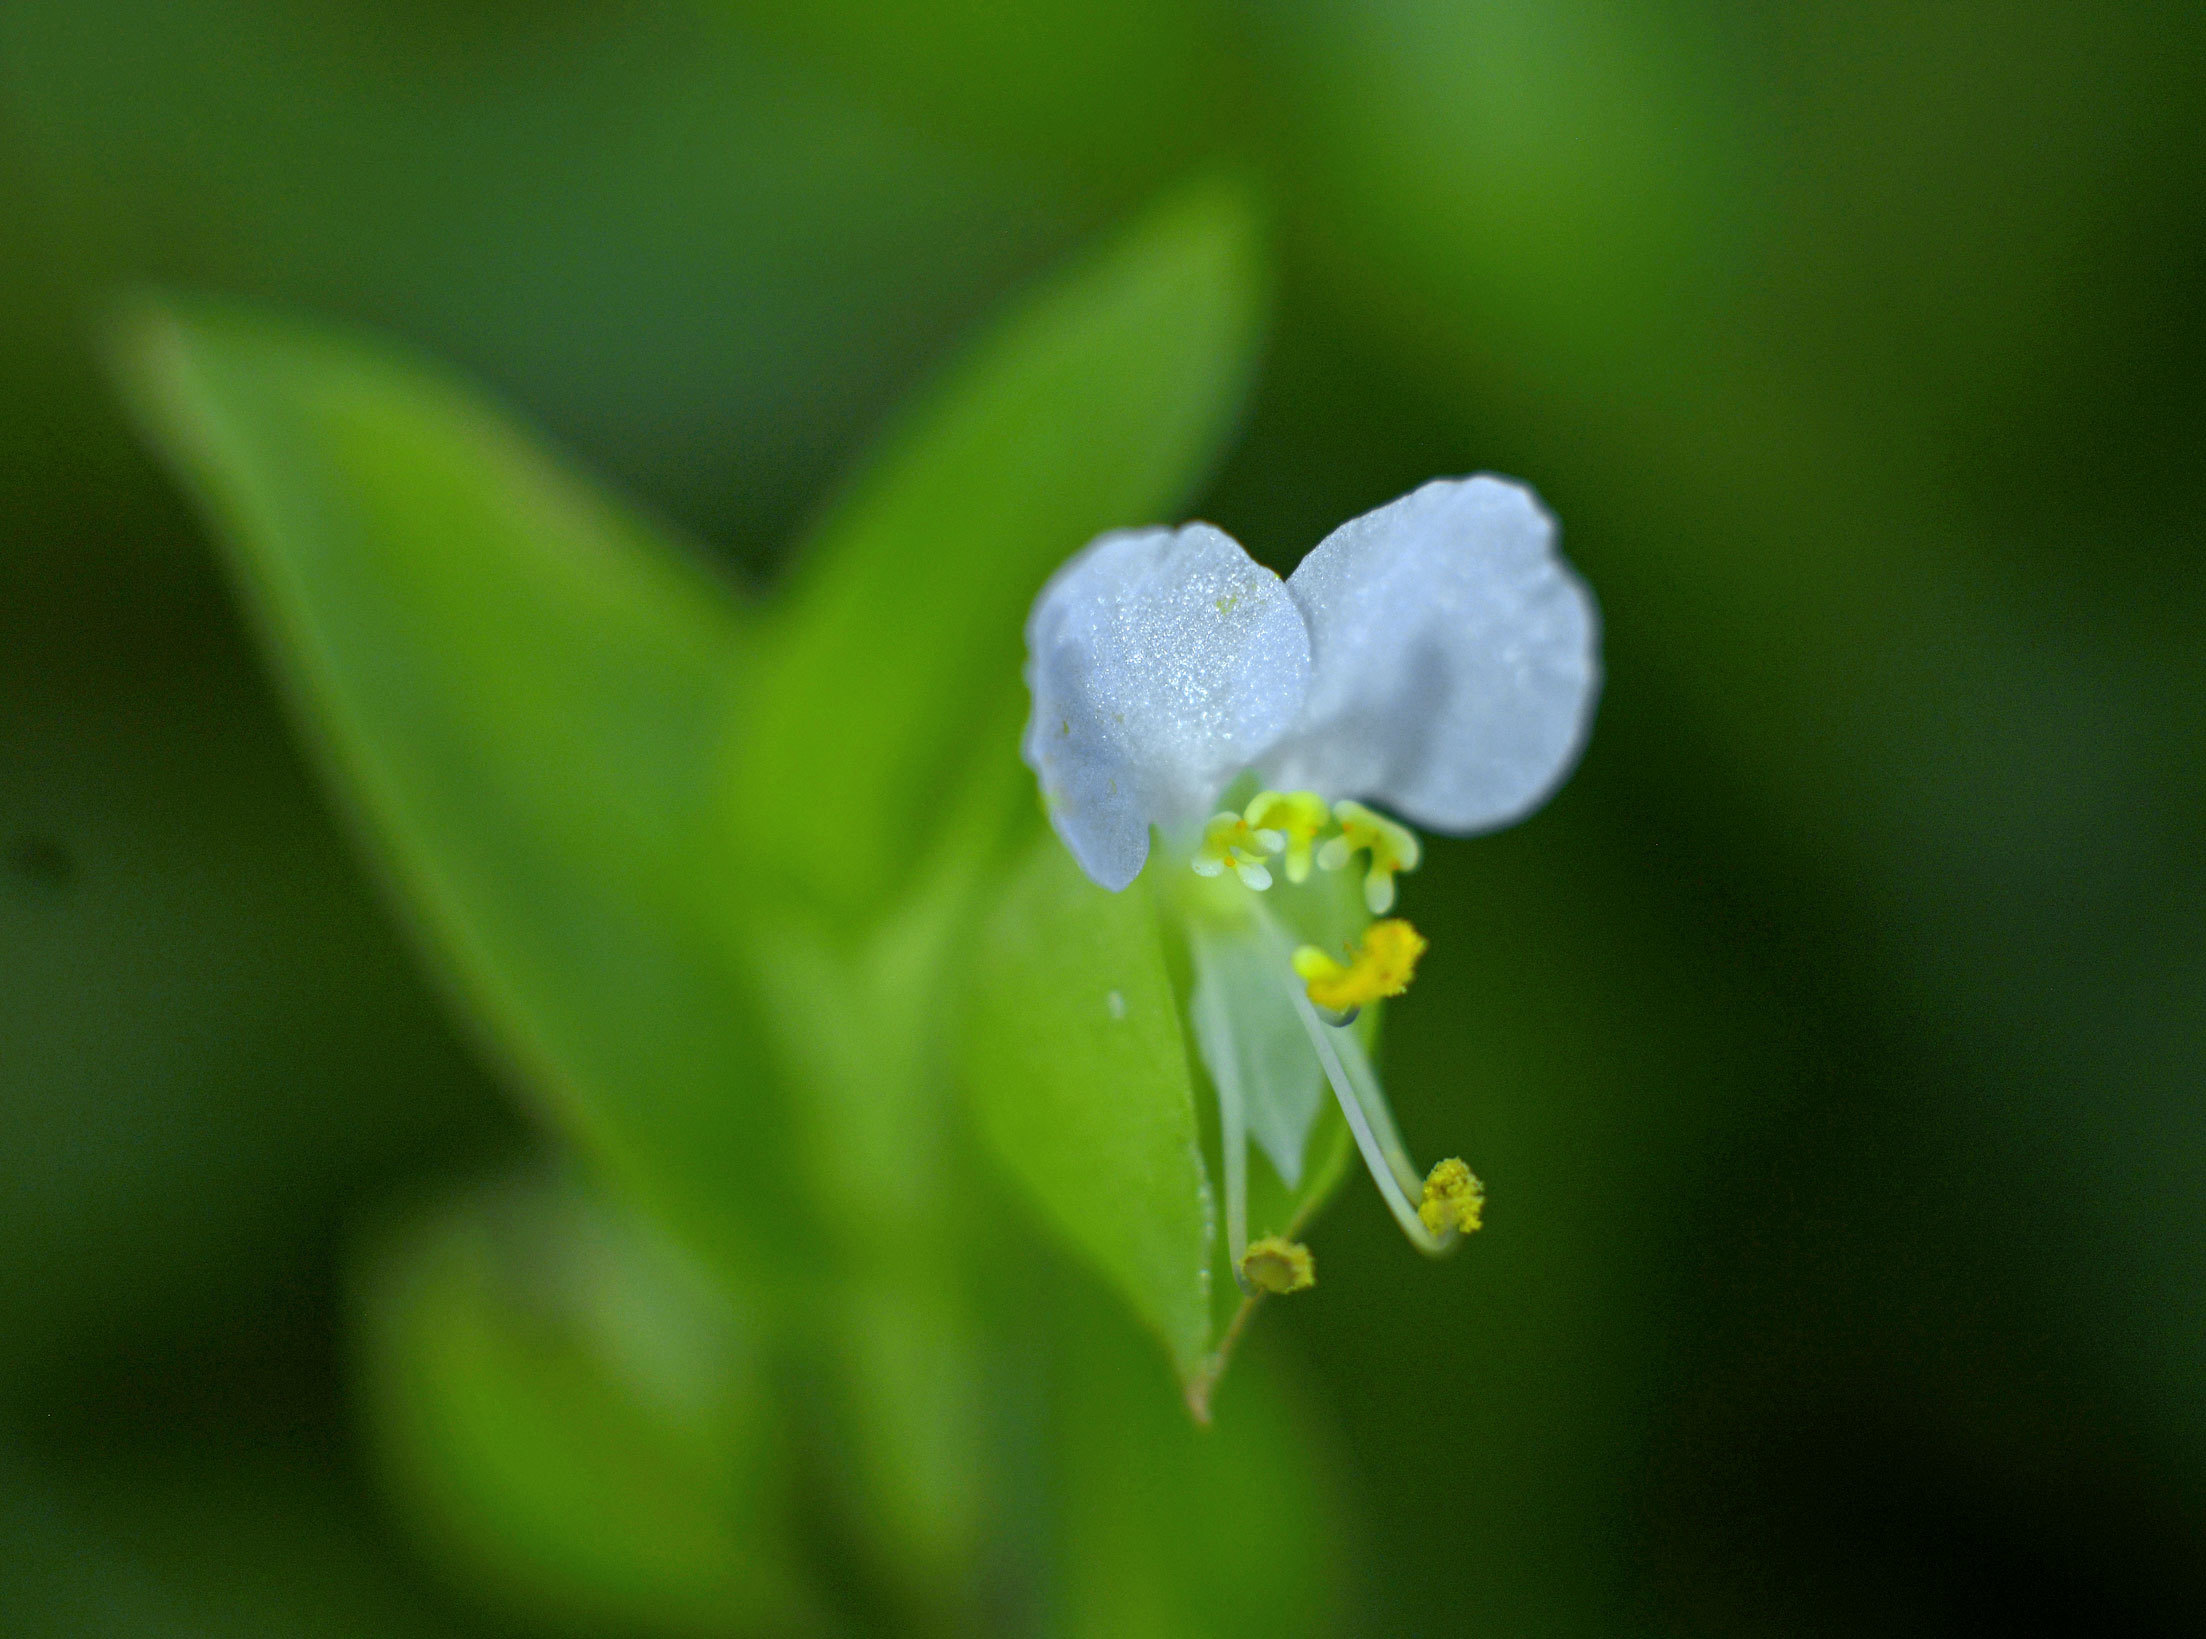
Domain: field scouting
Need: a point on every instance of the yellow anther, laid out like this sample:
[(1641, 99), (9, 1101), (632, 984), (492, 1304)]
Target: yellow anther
[(1275, 1264), (1229, 840), (1392, 848), (1453, 1198), (1295, 818), (1382, 966)]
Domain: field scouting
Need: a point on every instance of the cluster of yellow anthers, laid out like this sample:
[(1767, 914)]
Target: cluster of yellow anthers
[(1381, 966), (1454, 1204), (1454, 1198), (1278, 1265), (1289, 823)]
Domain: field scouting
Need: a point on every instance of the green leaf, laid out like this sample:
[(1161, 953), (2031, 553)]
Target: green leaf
[(904, 1386), (225, 1526), (1169, 1528), (1078, 1072), (521, 693), (1111, 86), (1554, 175), (1097, 406), (577, 1418)]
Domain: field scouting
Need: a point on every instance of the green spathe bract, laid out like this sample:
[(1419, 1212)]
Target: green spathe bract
[(1079, 1070)]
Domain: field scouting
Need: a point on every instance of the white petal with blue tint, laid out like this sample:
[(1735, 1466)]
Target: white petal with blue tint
[(1455, 659), (1161, 663)]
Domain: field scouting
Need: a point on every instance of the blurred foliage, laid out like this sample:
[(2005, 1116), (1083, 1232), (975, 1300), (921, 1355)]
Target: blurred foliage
[(524, 694), (1104, 402), (582, 1414), (529, 703), (1832, 1046)]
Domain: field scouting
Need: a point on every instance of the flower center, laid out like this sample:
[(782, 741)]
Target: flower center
[(1230, 841), (1290, 823), (1296, 818)]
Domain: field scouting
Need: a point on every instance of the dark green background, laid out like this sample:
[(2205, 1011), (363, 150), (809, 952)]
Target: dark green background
[(1834, 1046)]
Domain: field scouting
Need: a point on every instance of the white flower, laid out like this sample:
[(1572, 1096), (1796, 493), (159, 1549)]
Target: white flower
[(1435, 657)]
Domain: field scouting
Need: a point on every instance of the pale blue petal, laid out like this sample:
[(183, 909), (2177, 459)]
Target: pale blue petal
[(1455, 659), (1161, 663)]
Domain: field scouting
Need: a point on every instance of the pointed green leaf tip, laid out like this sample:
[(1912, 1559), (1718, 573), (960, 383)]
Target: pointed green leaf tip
[(1100, 403), (521, 693), (1079, 1076)]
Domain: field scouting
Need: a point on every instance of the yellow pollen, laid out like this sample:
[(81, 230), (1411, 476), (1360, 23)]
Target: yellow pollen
[(1295, 817), (1391, 848), (1230, 841), (1275, 1264), (1453, 1198), (1382, 966)]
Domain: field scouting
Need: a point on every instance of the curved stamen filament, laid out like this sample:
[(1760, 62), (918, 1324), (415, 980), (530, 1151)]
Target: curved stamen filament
[(1381, 1145), (1369, 1095), (1356, 1088)]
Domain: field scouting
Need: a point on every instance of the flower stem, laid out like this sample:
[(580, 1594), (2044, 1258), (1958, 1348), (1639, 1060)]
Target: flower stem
[(1205, 1383)]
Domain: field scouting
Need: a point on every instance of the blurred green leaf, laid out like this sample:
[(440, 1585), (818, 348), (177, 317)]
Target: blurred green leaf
[(1170, 1529), (1079, 1075), (238, 1537), (1096, 407), (213, 1043), (578, 1418), (1558, 173), (681, 247), (905, 1402), (522, 693), (857, 1018), (1105, 86)]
